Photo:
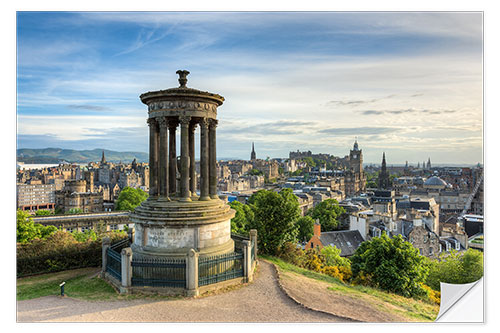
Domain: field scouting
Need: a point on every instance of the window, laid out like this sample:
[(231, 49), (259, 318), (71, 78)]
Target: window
[(421, 251), (431, 251)]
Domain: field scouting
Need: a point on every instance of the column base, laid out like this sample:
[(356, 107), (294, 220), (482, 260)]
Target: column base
[(214, 196), (185, 199), (164, 198), (204, 198)]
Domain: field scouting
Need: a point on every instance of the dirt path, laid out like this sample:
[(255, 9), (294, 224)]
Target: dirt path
[(260, 301), (314, 295)]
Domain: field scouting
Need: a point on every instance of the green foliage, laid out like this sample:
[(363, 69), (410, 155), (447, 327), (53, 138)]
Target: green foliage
[(456, 268), (312, 259), (130, 198), (27, 230), (391, 264), (274, 219), (240, 222), (328, 212), (74, 211), (305, 225), (309, 161), (255, 172), (297, 172), (85, 236), (61, 251), (43, 212), (332, 257)]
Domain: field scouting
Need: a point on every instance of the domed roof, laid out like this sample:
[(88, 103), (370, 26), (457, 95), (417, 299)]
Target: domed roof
[(435, 181)]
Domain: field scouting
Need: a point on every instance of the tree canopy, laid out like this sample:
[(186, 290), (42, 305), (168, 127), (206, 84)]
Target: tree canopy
[(274, 218), (27, 230), (328, 212), (130, 198), (456, 268), (391, 264), (305, 226), (240, 222)]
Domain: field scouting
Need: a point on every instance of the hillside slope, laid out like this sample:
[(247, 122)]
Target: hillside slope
[(326, 294), (55, 155)]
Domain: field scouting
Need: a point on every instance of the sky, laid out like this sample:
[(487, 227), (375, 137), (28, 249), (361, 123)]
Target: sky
[(407, 84)]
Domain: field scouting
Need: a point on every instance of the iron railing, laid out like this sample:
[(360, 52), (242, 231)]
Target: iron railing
[(114, 263), (159, 272), (220, 268)]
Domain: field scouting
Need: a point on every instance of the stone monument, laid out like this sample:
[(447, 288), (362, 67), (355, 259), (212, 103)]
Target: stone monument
[(174, 219)]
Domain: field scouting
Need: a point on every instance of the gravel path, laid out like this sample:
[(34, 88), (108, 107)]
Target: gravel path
[(260, 301)]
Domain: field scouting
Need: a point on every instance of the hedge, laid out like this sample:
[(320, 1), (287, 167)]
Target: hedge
[(60, 252)]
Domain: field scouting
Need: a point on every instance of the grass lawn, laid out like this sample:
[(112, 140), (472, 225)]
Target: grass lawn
[(412, 309), (83, 283)]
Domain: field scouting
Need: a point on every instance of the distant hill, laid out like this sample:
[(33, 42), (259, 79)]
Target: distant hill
[(55, 155)]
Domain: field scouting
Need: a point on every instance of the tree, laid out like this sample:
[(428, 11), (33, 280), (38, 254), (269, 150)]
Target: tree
[(43, 212), (74, 211), (305, 225), (27, 230), (391, 264), (456, 268), (331, 255), (274, 219), (328, 212), (130, 198), (240, 222), (255, 172)]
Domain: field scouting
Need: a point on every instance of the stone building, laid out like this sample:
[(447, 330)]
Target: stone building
[(355, 177), (74, 195), (345, 240)]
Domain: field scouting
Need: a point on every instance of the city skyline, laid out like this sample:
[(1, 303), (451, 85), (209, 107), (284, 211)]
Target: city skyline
[(409, 84)]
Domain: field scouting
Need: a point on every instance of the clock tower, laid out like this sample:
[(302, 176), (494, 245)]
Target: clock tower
[(356, 159)]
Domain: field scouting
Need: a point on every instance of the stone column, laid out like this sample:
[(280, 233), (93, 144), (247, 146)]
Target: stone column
[(172, 154), (192, 273), (153, 157), (204, 167), (213, 160), (106, 243), (253, 239), (247, 261), (185, 194), (126, 255), (192, 162), (163, 157)]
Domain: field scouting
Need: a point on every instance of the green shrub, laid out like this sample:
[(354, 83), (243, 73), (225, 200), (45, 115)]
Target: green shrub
[(61, 251), (391, 264), (455, 268)]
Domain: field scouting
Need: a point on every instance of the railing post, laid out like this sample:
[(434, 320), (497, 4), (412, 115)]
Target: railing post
[(247, 261), (192, 273), (106, 243), (126, 270), (253, 238)]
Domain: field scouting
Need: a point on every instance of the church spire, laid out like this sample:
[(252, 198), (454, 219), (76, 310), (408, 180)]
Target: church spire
[(103, 159), (253, 155)]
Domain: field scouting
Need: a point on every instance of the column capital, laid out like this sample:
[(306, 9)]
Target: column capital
[(213, 123), (184, 120), (204, 123), (163, 122), (151, 121)]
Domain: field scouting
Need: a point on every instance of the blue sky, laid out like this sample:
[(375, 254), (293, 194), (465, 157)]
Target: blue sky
[(409, 84)]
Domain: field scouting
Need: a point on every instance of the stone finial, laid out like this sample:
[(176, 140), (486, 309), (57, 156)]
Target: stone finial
[(182, 78)]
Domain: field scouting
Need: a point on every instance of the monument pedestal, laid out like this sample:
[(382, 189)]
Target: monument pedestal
[(172, 228)]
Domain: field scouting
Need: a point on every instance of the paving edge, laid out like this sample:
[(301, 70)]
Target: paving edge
[(285, 291)]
